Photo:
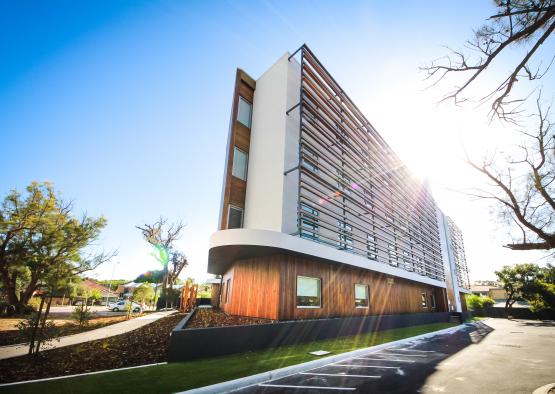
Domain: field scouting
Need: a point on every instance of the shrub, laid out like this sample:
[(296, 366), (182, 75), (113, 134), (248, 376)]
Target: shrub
[(487, 302), (81, 314), (474, 302), (34, 302)]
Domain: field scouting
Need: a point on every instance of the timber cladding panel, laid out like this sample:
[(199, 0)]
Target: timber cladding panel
[(254, 288), (266, 287), (234, 189)]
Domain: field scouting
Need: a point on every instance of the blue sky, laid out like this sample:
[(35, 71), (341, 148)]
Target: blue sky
[(124, 105)]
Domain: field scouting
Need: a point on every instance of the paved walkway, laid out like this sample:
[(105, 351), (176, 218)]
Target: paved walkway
[(495, 356), (100, 333)]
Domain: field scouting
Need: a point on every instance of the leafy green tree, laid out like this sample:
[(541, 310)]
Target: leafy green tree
[(143, 293), (520, 282), (42, 242)]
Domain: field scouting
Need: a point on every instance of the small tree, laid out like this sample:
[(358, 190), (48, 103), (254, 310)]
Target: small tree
[(162, 236), (81, 314), (143, 293), (36, 331)]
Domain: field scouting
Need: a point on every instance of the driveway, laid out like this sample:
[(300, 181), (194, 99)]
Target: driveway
[(494, 356), (96, 310)]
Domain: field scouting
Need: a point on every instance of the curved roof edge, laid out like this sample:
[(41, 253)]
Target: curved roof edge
[(227, 246)]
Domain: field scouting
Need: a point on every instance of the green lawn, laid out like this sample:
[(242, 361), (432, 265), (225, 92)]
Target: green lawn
[(170, 378)]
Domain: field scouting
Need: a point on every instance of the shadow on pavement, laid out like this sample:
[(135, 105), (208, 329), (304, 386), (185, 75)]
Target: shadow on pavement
[(536, 323)]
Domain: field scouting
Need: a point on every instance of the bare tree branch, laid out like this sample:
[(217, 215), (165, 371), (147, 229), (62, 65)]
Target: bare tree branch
[(528, 22)]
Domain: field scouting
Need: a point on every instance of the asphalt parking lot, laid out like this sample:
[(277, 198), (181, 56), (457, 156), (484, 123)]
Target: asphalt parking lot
[(495, 356)]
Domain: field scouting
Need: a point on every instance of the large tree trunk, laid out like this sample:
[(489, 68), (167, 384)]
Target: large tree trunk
[(28, 293)]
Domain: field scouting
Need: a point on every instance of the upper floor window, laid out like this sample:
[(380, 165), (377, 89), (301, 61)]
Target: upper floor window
[(310, 158), (240, 163), (235, 217), (345, 236), (372, 246), (244, 112), (361, 296), (309, 292), (392, 252)]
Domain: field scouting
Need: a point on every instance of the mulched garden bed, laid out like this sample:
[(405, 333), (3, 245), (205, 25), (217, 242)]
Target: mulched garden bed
[(207, 317), (145, 345), (13, 337)]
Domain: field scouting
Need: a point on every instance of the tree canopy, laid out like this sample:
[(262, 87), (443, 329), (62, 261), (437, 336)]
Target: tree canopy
[(42, 243), (528, 282)]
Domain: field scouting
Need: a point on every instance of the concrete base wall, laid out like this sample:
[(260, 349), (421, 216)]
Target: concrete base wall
[(188, 344)]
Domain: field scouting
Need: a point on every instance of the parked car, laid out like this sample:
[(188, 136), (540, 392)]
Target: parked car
[(123, 305)]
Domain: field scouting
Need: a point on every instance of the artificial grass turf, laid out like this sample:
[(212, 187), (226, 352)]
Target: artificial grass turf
[(169, 378)]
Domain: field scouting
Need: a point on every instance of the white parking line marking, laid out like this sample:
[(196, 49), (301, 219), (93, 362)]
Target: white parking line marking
[(286, 386), (340, 374), (385, 359), (403, 355), (364, 366)]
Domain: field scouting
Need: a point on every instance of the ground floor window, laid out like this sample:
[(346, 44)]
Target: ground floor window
[(432, 300), (423, 300), (309, 292), (361, 296)]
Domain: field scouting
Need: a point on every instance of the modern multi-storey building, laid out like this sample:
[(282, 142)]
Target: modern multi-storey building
[(319, 216)]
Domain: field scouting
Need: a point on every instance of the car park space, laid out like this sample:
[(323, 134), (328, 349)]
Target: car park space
[(399, 369)]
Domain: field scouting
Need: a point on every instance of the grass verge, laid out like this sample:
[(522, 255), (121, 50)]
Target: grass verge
[(174, 377)]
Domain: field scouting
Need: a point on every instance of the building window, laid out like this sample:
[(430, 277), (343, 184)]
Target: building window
[(227, 286), (308, 209), (343, 182), (361, 296), (423, 300), (433, 301), (244, 112), (407, 260), (309, 223), (235, 217), (345, 236), (372, 247), (310, 159), (309, 292), (240, 163), (392, 250)]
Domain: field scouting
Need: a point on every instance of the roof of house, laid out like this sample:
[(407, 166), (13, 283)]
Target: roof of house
[(481, 288), (95, 285)]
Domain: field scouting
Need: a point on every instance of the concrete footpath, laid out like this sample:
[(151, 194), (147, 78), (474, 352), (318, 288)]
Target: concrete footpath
[(100, 333)]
